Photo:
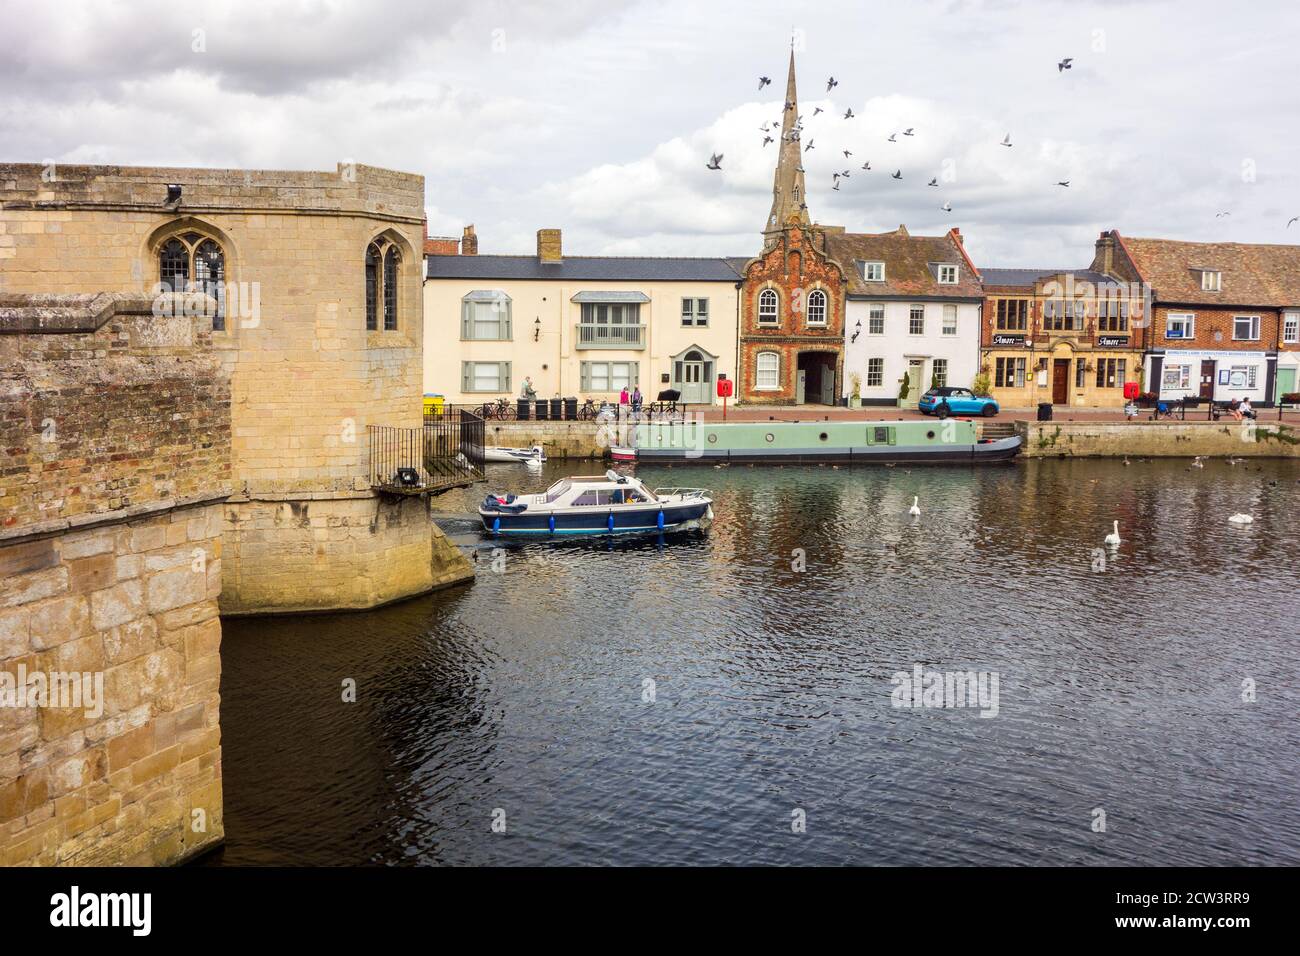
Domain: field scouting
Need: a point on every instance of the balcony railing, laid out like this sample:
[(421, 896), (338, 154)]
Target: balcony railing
[(610, 336), (446, 453)]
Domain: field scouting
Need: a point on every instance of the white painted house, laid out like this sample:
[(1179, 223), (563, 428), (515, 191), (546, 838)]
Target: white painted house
[(912, 310)]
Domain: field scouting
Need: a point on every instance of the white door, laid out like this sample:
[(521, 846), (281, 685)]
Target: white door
[(915, 367), (798, 387)]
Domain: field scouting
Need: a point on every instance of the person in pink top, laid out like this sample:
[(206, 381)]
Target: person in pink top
[(622, 396)]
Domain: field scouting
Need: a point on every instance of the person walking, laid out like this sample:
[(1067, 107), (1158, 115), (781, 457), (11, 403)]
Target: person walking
[(636, 399), (528, 391)]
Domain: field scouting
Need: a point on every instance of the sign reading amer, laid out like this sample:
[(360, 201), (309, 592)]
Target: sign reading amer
[(1001, 338), (1112, 341)]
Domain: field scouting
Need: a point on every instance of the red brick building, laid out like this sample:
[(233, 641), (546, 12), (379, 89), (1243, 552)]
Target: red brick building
[(1226, 317), (792, 298)]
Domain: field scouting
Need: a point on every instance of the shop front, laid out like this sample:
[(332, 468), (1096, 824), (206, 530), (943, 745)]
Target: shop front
[(1222, 376), (1065, 371)]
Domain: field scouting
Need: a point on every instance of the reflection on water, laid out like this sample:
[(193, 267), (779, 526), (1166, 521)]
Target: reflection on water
[(1120, 688)]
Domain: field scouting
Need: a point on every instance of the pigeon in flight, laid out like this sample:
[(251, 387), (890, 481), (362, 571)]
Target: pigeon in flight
[(817, 110), (1220, 215), (867, 164), (1007, 140), (1064, 182), (715, 161), (908, 131), (947, 207), (768, 139), (809, 146), (848, 114), (845, 174), (898, 174), (933, 182), (836, 186), (831, 84), (848, 153), (764, 128), (764, 81), (1065, 64), (789, 105), (893, 137), (1291, 220)]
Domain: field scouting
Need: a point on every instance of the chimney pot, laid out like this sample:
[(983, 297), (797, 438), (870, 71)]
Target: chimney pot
[(469, 241)]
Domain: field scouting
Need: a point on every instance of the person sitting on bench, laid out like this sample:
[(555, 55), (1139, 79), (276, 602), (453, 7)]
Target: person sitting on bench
[(1244, 410)]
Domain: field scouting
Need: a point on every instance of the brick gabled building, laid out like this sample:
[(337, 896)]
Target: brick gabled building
[(792, 299), (1225, 320)]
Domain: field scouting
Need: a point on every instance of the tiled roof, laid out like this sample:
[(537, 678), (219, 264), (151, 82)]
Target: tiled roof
[(1261, 275), (910, 263), (585, 268)]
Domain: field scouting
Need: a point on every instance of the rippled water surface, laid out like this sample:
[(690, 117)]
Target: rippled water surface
[(1119, 688)]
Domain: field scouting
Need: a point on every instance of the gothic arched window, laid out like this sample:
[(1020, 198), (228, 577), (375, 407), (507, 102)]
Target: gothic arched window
[(768, 307), (192, 262), (383, 267)]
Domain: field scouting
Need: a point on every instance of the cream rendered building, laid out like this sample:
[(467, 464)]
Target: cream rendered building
[(579, 326)]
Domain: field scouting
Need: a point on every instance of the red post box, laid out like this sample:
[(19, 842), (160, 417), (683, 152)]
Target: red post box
[(725, 387)]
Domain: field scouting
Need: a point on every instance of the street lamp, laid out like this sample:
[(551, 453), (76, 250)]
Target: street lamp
[(857, 330), (537, 329)]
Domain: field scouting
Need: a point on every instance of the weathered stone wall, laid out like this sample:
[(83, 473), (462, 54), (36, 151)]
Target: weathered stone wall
[(116, 436), (560, 439), (1220, 439)]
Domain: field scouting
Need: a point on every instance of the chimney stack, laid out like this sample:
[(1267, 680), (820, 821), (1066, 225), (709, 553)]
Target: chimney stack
[(548, 246), (1104, 259), (469, 242)]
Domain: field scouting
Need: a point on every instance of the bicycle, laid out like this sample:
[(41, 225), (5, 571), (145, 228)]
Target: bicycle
[(501, 410)]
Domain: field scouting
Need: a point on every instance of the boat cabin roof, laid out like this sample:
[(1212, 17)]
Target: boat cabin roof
[(609, 481)]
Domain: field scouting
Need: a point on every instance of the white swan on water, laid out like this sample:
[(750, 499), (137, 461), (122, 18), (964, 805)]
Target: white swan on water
[(1241, 519), (915, 510), (1113, 537)]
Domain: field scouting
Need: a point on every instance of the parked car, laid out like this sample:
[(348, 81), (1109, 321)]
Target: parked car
[(948, 400)]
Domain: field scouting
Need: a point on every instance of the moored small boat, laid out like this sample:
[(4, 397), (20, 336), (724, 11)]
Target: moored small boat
[(499, 454), (603, 504)]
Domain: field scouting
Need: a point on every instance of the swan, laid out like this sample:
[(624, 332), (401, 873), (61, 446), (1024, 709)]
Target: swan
[(915, 510), (1113, 537), (1198, 461), (1241, 519)]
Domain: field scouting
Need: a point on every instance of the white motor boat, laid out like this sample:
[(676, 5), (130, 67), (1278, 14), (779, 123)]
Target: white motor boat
[(601, 504), (499, 454)]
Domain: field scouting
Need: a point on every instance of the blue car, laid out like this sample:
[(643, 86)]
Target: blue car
[(956, 401)]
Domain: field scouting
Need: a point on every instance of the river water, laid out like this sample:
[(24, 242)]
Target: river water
[(702, 698)]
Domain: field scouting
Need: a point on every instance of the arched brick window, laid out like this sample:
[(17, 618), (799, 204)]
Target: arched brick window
[(817, 307), (769, 308)]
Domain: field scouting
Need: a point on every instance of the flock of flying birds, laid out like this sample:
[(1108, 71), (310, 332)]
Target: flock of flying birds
[(796, 134)]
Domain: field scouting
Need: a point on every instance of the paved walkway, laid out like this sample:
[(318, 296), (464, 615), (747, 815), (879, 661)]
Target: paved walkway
[(1063, 413)]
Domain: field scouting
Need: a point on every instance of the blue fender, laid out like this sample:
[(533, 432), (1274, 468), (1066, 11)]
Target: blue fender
[(551, 524), (661, 519), (496, 525), (610, 524)]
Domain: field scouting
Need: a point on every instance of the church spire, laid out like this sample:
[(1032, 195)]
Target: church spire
[(789, 198)]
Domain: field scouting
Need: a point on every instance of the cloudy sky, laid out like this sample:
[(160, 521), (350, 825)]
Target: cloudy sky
[(597, 116)]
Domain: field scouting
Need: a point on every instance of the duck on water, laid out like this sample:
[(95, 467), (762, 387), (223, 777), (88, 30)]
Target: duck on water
[(603, 504)]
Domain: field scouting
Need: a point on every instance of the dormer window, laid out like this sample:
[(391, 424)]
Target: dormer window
[(873, 271), (947, 273), (1211, 280)]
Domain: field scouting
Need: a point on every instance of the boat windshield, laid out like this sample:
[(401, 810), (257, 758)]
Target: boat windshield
[(560, 487)]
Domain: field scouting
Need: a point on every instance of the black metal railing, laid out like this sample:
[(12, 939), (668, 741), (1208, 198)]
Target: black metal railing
[(446, 452)]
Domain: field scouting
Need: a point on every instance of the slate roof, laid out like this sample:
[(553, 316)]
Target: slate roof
[(1251, 274), (586, 268), (1027, 277), (910, 264)]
